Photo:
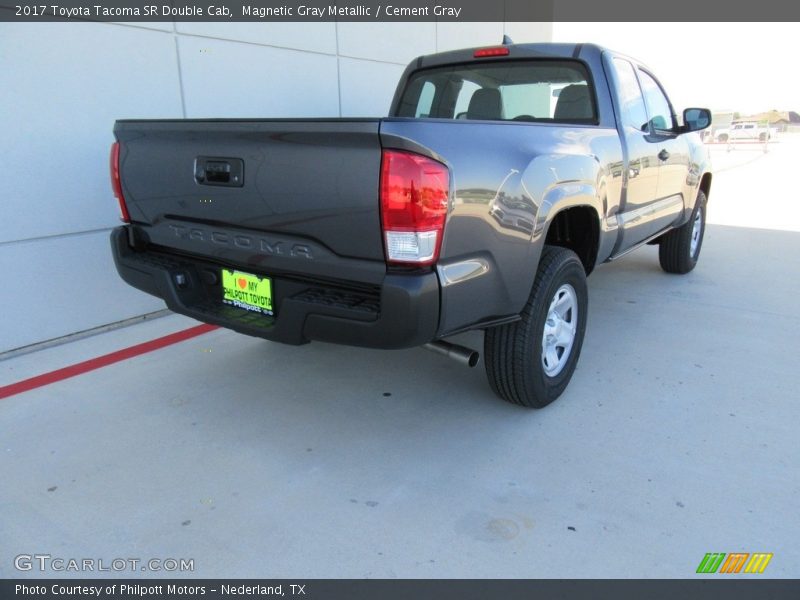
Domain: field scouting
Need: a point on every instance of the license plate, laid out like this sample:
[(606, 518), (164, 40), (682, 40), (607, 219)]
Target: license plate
[(247, 291)]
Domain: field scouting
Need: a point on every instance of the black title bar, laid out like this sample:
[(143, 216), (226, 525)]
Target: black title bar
[(399, 10), (419, 589)]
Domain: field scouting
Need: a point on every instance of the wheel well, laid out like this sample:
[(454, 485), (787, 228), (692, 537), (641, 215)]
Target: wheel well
[(705, 185), (576, 228)]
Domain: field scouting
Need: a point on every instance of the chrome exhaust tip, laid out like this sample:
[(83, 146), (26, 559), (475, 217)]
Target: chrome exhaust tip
[(461, 354)]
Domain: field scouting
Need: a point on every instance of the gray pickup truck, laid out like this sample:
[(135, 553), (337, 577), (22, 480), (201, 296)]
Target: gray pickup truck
[(502, 176)]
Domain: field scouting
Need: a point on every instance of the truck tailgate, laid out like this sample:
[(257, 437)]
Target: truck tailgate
[(217, 183)]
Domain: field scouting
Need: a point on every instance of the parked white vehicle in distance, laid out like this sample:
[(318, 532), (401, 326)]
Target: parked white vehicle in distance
[(745, 130)]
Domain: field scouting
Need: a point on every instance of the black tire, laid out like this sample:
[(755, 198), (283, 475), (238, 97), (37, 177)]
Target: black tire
[(513, 352), (723, 138), (762, 137), (675, 247)]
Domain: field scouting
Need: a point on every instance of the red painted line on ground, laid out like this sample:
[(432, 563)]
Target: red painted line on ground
[(103, 361)]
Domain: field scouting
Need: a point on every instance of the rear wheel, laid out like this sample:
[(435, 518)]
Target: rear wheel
[(723, 138), (530, 362), (679, 249)]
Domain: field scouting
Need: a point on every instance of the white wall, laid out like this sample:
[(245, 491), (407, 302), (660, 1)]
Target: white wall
[(62, 85)]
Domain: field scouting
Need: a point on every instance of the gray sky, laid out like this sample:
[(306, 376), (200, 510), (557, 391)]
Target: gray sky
[(746, 67)]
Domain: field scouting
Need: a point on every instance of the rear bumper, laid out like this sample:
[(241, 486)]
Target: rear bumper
[(402, 312)]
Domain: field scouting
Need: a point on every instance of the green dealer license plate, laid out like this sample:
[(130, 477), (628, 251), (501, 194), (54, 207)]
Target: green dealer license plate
[(247, 291)]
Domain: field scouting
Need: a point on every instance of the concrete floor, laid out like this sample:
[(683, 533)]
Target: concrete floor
[(676, 437)]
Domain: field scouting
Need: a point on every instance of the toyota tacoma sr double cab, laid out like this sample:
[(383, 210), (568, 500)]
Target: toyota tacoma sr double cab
[(501, 178)]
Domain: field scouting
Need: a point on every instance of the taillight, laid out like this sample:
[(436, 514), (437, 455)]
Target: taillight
[(486, 52), (414, 196), (116, 184)]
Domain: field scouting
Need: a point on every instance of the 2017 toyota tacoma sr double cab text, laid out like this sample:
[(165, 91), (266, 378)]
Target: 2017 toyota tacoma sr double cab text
[(501, 178)]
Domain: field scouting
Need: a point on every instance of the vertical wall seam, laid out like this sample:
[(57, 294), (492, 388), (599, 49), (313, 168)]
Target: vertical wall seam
[(180, 70), (338, 68)]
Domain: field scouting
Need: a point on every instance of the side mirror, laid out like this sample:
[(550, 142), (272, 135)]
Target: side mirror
[(695, 119)]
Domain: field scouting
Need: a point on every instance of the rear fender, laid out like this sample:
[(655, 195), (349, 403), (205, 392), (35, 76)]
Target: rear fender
[(581, 183)]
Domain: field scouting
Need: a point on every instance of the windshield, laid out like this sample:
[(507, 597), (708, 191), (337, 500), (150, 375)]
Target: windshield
[(540, 90)]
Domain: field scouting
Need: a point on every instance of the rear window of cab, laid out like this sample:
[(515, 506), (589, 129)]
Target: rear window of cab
[(534, 90)]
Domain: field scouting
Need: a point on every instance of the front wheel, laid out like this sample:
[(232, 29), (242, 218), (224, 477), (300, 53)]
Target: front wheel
[(531, 361), (679, 249)]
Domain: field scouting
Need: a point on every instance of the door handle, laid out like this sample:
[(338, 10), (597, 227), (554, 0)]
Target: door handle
[(219, 171), (663, 155)]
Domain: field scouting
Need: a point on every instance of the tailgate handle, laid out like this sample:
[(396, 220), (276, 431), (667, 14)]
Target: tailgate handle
[(219, 171)]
